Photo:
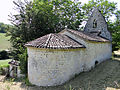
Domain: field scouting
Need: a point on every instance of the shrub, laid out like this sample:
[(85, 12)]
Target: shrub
[(23, 60), (4, 55), (4, 70)]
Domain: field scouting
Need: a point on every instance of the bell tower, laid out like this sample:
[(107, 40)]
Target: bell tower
[(96, 24)]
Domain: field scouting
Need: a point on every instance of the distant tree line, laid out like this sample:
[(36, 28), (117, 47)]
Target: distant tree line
[(3, 27)]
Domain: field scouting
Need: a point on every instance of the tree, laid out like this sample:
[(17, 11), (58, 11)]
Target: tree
[(106, 7), (3, 27), (115, 29), (38, 18)]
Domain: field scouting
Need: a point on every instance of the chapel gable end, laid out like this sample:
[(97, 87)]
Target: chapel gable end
[(96, 24)]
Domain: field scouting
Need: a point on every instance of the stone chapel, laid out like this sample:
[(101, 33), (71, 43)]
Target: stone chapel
[(55, 58)]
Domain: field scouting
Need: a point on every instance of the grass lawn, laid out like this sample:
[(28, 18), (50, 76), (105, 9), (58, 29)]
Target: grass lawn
[(4, 63), (4, 43)]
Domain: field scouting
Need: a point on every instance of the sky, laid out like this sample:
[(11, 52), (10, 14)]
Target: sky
[(6, 7)]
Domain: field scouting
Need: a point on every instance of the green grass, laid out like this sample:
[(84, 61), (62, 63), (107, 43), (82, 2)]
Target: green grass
[(4, 63), (4, 43)]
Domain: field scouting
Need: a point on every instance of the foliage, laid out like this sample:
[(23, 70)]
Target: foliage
[(41, 17), (27, 82), (69, 14), (3, 27), (106, 7), (4, 55), (115, 29), (4, 66), (23, 60), (4, 70)]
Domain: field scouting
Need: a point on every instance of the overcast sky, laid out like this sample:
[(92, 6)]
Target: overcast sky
[(6, 7)]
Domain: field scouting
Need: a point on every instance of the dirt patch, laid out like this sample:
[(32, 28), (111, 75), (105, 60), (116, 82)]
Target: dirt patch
[(105, 76)]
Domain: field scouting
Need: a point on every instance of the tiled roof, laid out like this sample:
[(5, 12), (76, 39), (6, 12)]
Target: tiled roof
[(55, 41), (88, 36)]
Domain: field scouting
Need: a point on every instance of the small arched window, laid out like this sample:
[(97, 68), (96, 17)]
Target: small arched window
[(96, 63), (95, 23)]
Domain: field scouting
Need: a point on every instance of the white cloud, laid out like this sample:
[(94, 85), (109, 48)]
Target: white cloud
[(6, 7)]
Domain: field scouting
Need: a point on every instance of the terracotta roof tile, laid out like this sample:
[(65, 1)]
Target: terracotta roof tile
[(88, 36), (55, 41)]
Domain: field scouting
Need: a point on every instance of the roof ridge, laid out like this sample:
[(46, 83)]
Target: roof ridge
[(47, 41), (75, 40), (88, 36)]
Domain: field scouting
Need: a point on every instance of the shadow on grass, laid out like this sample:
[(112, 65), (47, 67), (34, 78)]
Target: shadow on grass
[(103, 76)]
